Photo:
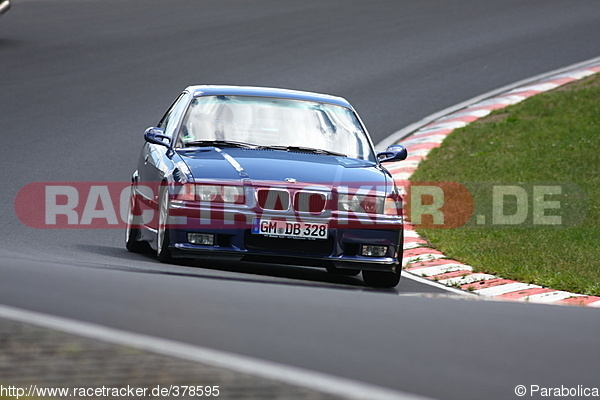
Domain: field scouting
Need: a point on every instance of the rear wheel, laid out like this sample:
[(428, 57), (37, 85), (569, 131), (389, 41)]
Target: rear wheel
[(162, 243), (132, 232), (383, 280)]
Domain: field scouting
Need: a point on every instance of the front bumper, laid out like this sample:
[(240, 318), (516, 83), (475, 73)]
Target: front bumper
[(234, 240)]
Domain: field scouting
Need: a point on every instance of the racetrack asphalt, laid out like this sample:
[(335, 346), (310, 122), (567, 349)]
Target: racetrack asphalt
[(79, 88)]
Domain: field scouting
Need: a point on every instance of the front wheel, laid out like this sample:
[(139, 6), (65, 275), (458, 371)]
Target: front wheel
[(382, 280), (132, 232), (162, 241)]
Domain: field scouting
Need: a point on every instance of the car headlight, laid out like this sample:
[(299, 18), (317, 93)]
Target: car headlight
[(347, 202), (361, 203), (232, 194), (207, 192), (220, 194), (212, 193)]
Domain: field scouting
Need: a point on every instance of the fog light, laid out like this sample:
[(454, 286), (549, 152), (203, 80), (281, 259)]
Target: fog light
[(374, 251), (205, 239)]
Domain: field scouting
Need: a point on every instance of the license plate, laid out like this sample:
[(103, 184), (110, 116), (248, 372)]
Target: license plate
[(300, 230)]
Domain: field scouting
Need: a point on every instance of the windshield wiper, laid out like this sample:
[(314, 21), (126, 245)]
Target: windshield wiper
[(306, 149), (220, 143), (231, 143)]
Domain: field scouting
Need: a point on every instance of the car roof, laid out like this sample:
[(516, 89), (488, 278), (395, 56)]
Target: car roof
[(214, 90)]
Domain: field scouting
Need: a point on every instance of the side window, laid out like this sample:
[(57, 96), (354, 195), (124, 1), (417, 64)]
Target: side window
[(171, 119), (167, 116)]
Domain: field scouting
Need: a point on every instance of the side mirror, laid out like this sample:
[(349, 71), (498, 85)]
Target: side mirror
[(157, 136), (395, 152)]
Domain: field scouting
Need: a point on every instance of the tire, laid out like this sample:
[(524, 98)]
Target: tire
[(162, 240), (382, 280), (343, 271), (132, 234)]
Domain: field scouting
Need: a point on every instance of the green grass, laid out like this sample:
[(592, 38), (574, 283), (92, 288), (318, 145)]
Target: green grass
[(549, 139)]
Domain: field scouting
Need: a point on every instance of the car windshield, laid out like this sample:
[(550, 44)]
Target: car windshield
[(275, 123)]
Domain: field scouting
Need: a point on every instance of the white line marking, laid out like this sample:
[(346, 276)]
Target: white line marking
[(542, 87), (507, 100), (440, 269), (413, 245), (407, 274), (401, 176), (393, 165), (441, 126), (426, 139), (425, 131), (548, 297), (577, 74), (594, 304), (506, 288), (404, 164), (244, 364), (468, 113), (422, 257), (458, 281), (402, 133), (411, 234)]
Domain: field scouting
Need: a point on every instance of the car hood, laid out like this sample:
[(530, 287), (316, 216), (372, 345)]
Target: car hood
[(265, 165)]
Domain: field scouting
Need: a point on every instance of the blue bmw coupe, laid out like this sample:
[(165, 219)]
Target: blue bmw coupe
[(267, 175)]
